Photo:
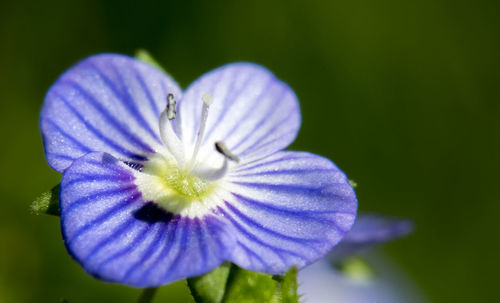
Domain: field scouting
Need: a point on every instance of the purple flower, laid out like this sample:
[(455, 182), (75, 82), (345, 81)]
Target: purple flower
[(377, 280), (160, 185), (369, 230), (388, 283)]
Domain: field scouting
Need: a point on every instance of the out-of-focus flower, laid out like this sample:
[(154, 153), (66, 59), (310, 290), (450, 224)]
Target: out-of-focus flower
[(368, 231), (160, 185), (383, 281), (344, 276)]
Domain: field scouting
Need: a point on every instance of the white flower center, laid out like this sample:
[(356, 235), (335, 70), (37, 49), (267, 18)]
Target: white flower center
[(172, 181)]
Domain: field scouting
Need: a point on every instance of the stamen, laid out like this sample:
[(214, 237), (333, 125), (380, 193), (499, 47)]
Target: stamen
[(171, 107), (222, 148), (167, 134), (207, 100), (216, 174)]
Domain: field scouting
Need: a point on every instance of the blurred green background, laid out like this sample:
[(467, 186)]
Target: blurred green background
[(402, 95)]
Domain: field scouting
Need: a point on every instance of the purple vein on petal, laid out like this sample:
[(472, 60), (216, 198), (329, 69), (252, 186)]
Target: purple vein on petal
[(91, 179), (109, 118), (264, 90), (175, 224), (116, 233), (252, 253), (292, 188), (136, 242), (121, 94), (235, 95), (272, 107), (97, 164), (153, 246), (62, 157), (81, 146), (182, 248), (199, 226), (140, 79), (92, 197), (99, 134), (270, 207), (257, 225), (249, 166), (285, 172), (257, 240), (267, 143), (124, 206)]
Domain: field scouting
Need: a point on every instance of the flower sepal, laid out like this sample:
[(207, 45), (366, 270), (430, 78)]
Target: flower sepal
[(145, 56), (232, 284), (210, 287), (47, 203)]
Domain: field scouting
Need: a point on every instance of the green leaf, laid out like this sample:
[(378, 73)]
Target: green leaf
[(245, 286), (210, 287), (286, 290), (232, 284), (146, 57), (47, 203)]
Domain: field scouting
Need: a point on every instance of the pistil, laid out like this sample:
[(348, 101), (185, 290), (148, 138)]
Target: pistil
[(207, 101)]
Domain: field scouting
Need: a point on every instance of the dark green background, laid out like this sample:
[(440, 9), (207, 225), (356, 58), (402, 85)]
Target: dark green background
[(402, 95)]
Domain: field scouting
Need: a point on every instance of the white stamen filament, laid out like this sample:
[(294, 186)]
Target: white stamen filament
[(167, 134), (207, 100), (211, 174)]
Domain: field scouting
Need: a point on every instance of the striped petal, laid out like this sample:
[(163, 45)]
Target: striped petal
[(118, 237), (370, 230), (289, 209), (108, 103), (253, 112)]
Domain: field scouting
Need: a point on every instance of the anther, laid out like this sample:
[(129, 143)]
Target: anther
[(171, 107), (167, 133), (222, 148)]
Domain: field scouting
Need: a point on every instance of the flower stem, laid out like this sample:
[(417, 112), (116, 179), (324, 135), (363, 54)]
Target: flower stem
[(147, 295)]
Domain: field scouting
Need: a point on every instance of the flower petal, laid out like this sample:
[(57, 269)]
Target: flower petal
[(253, 112), (118, 237), (369, 230), (109, 103), (289, 209)]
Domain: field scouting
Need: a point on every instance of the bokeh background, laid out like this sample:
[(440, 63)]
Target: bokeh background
[(402, 95)]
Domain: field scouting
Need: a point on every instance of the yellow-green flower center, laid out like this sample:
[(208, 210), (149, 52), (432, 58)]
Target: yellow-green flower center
[(173, 179), (163, 182), (181, 181)]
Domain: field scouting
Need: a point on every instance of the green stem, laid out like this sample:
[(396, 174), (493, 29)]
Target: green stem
[(147, 295)]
